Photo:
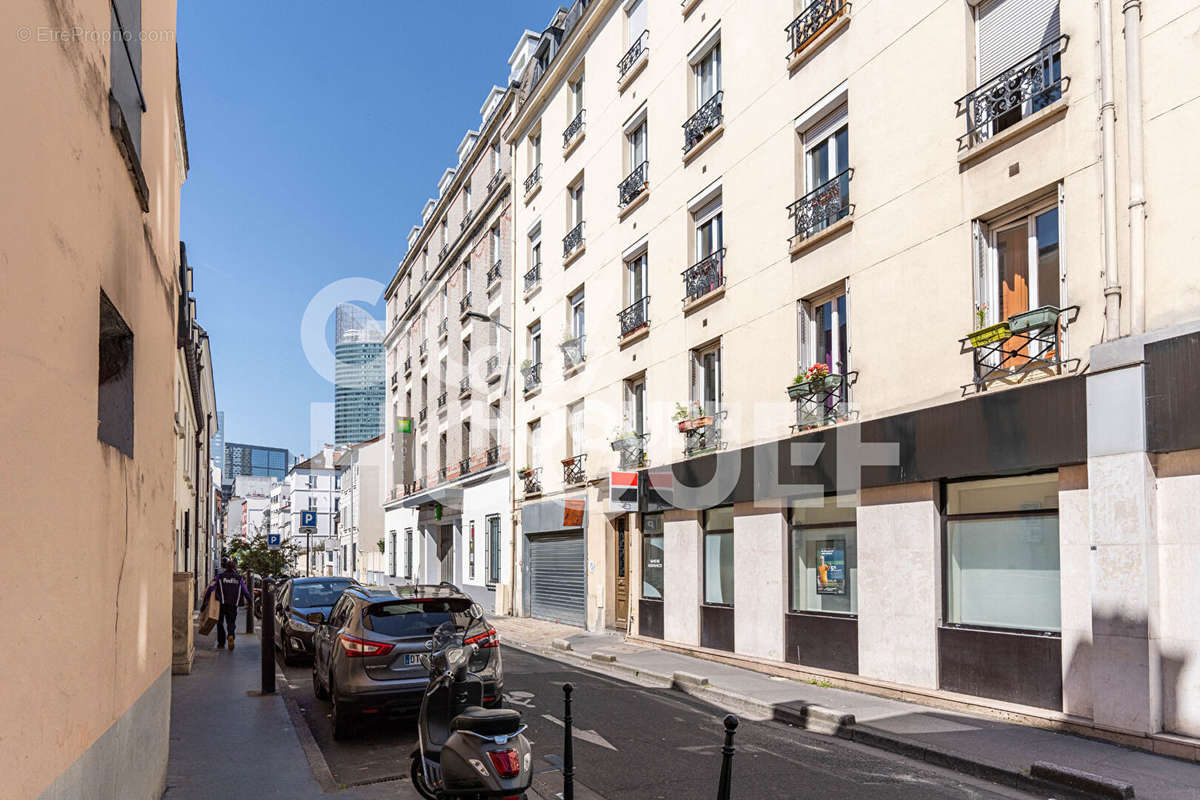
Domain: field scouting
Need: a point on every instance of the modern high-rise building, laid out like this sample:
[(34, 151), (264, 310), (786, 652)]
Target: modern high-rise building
[(252, 459), (359, 393)]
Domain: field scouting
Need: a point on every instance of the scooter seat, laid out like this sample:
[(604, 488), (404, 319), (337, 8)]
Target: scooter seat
[(488, 721)]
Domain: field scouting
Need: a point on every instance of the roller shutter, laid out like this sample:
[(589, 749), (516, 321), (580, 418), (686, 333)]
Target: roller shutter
[(1009, 30), (558, 578)]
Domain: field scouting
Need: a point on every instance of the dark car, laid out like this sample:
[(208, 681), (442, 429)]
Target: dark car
[(298, 598), (367, 650)]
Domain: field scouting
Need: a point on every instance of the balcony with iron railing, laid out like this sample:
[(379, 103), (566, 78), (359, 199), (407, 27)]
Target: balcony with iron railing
[(631, 450), (441, 401), (464, 305), (573, 240), (702, 432), (495, 182), (704, 277), (532, 480), (423, 350), (464, 465), (634, 317), (822, 398), (464, 386), (443, 327), (493, 455), (574, 473), (573, 130), (468, 215), (818, 17), (636, 52), (443, 253), (493, 367), (634, 184), (821, 208), (1020, 91), (442, 473), (493, 274), (533, 376), (573, 352), (534, 178), (407, 365), (1021, 347), (395, 379), (533, 277), (706, 119), (423, 414)]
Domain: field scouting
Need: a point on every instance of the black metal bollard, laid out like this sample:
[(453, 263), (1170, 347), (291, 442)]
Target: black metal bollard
[(568, 748), (731, 723), (267, 640), (250, 604)]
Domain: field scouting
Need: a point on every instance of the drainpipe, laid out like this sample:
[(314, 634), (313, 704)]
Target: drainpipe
[(1137, 182), (1112, 288)]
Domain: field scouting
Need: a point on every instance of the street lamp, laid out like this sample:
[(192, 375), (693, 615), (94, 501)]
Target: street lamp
[(486, 318)]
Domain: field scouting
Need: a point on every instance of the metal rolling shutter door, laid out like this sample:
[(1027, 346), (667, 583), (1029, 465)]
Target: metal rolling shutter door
[(558, 578), (1009, 30)]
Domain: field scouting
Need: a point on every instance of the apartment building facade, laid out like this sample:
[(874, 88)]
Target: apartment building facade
[(450, 385), (312, 484), (359, 519), (874, 311), (94, 155)]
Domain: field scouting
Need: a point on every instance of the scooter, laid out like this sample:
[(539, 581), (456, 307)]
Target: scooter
[(464, 750)]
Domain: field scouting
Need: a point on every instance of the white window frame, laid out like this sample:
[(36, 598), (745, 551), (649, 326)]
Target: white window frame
[(574, 204), (707, 52), (576, 442), (576, 313), (535, 342), (635, 420), (697, 389), (807, 326), (633, 26)]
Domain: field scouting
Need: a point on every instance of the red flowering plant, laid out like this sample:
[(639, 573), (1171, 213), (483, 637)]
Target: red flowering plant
[(816, 374)]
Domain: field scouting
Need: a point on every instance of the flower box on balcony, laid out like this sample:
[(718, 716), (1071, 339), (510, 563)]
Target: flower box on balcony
[(805, 388), (1037, 318), (692, 424), (626, 443), (524, 473), (989, 335)]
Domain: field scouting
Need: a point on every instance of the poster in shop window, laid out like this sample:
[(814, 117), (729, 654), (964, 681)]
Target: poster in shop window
[(831, 567)]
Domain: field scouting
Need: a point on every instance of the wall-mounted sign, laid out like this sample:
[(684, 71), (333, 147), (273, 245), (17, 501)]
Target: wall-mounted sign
[(622, 491), (573, 513)]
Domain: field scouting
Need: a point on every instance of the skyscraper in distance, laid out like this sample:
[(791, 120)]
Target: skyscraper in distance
[(359, 392)]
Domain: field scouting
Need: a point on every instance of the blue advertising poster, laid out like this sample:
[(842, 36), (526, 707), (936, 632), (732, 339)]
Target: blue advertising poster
[(831, 567)]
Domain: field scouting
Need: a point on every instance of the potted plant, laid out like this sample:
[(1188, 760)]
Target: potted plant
[(624, 437), (691, 417), (526, 364), (524, 472), (815, 378), (984, 335), (380, 544), (1036, 318)]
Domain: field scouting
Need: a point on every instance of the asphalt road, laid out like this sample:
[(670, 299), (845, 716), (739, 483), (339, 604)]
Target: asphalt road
[(633, 742)]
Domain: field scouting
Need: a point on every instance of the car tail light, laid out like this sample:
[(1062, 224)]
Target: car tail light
[(506, 762), (489, 639), (357, 648)]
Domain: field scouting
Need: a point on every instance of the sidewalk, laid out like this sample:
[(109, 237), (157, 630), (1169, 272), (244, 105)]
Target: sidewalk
[(228, 741), (981, 746)]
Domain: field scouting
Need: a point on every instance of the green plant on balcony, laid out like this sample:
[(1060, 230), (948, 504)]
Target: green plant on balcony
[(989, 334), (691, 417), (816, 378), (380, 544)]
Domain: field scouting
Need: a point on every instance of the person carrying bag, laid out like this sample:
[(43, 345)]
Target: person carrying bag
[(226, 589)]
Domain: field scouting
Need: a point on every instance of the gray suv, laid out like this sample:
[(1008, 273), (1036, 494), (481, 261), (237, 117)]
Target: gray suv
[(366, 653)]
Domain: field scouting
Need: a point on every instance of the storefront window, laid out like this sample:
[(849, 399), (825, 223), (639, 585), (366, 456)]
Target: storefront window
[(652, 556), (718, 556), (1002, 564), (824, 557)]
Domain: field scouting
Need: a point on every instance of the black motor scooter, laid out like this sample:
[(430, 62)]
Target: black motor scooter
[(464, 750)]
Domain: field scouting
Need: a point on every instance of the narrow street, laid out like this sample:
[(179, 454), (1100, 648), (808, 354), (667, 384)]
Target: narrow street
[(633, 742)]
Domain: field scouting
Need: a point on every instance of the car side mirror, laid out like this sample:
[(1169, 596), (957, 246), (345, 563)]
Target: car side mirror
[(315, 618)]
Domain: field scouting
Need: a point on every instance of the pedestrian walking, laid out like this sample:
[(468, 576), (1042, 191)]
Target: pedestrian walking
[(230, 587)]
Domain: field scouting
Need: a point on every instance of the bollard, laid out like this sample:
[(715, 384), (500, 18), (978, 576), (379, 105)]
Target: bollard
[(267, 640), (731, 723), (250, 603), (568, 749)]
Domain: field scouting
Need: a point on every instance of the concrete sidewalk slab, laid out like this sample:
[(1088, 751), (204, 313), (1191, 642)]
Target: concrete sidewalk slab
[(981, 746)]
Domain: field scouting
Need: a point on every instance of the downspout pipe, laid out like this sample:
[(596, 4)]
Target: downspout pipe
[(1108, 145), (1137, 179)]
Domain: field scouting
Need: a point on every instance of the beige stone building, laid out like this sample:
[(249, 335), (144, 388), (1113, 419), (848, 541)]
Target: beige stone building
[(450, 381), (888, 307), (93, 159)]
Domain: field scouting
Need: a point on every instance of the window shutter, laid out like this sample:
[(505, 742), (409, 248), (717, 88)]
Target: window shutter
[(693, 377), (1008, 30), (637, 20), (803, 322), (825, 128), (719, 393), (983, 287), (125, 65)]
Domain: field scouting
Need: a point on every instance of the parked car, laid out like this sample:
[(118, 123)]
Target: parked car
[(367, 649), (298, 598), (257, 588)]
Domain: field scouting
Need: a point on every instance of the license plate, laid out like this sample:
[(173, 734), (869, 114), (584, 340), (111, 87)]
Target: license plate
[(411, 659)]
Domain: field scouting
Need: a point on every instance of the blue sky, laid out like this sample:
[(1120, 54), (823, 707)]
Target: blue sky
[(316, 132)]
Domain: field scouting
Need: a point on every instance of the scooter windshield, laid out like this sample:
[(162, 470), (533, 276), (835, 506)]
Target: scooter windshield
[(445, 635)]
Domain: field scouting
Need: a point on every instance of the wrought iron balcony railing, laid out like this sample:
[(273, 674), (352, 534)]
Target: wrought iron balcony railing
[(822, 207), (408, 301), (634, 184), (493, 365), (1028, 86), (422, 414), (823, 402), (572, 240), (493, 455), (407, 364), (395, 379), (574, 128), (441, 254), (703, 434), (464, 386), (468, 215), (493, 273), (706, 275), (1030, 342), (534, 178), (423, 349), (707, 117), (573, 352), (639, 46), (819, 15), (464, 305), (464, 465), (532, 478), (533, 376), (534, 276), (634, 316), (443, 327), (573, 470), (441, 401), (441, 473), (496, 180), (631, 450)]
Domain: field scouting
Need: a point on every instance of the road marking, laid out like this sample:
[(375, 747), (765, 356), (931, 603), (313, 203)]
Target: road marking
[(524, 699), (587, 736)]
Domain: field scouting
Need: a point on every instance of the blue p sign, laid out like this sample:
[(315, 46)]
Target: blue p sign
[(273, 540), (308, 519)]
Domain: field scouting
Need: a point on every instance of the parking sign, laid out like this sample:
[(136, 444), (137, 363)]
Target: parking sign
[(273, 541), (308, 522)]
